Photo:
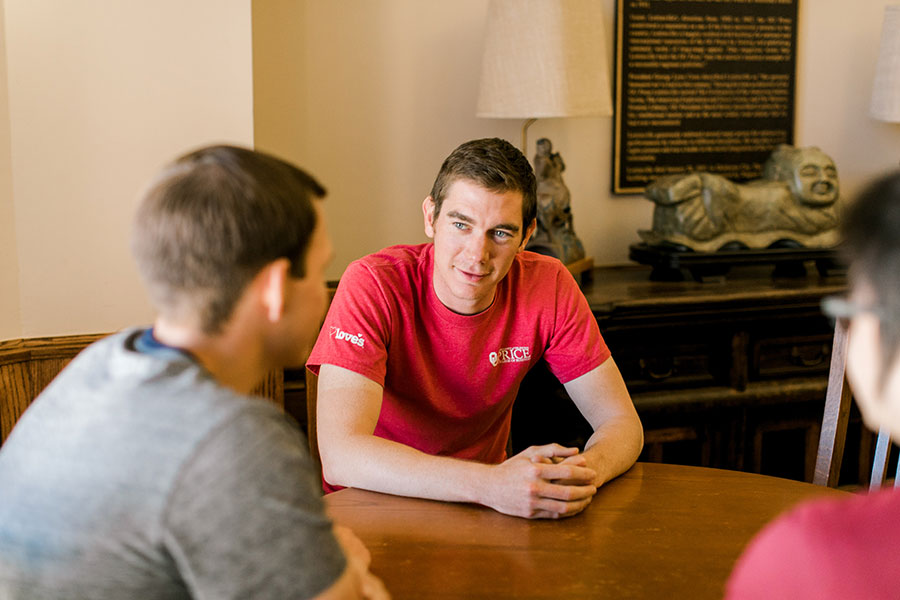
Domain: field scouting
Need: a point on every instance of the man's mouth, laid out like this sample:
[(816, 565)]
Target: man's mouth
[(472, 276)]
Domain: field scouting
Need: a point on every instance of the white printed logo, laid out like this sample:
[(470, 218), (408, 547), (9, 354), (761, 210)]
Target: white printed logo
[(508, 355), (338, 334)]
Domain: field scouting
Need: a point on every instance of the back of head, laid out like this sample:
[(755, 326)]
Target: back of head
[(211, 220), (494, 164), (871, 229)]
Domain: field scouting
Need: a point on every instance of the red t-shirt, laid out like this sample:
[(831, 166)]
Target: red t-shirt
[(449, 379), (825, 549)]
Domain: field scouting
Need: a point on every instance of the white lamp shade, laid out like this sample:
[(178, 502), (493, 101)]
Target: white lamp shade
[(886, 89), (544, 58)]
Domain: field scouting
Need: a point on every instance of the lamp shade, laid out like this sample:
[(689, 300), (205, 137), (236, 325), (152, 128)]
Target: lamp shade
[(544, 58), (886, 89)]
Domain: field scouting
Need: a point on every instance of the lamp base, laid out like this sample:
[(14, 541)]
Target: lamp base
[(525, 126), (581, 269)]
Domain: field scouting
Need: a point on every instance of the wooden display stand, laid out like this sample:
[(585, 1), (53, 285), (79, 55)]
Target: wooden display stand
[(669, 263)]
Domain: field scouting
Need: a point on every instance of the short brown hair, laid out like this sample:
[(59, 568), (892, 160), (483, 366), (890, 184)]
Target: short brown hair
[(211, 220), (494, 164)]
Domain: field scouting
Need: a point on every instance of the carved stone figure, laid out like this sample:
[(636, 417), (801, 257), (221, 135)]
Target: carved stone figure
[(794, 202), (555, 235)]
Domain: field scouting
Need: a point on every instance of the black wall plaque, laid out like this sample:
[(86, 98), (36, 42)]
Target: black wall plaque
[(704, 85)]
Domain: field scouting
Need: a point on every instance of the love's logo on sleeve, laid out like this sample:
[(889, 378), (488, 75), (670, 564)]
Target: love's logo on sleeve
[(339, 334)]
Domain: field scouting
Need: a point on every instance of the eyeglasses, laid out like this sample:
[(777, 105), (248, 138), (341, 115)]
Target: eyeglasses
[(840, 307)]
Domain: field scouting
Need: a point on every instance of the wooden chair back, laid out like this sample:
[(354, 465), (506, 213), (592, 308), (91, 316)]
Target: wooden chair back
[(312, 382), (836, 418), (28, 365)]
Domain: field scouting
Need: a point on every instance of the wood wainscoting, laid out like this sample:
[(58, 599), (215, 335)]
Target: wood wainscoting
[(28, 365)]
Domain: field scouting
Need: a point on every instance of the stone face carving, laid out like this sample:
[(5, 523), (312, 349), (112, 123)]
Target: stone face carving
[(554, 235), (795, 202)]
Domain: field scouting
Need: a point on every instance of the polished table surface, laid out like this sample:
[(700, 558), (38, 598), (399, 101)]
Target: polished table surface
[(658, 531)]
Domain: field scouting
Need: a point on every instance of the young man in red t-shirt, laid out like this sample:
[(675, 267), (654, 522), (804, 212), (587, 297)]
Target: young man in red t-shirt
[(424, 348)]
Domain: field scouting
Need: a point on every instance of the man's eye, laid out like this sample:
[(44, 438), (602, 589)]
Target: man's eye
[(502, 235), (459, 225)]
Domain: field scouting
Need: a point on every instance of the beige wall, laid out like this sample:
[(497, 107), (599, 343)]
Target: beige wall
[(390, 89), (279, 74), (838, 50), (370, 96), (10, 318), (101, 94)]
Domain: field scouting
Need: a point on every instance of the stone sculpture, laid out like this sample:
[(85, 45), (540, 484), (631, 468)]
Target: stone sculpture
[(795, 203), (555, 235)]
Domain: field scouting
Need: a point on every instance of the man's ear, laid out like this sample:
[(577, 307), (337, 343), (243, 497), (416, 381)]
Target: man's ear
[(272, 282), (528, 233), (428, 213)]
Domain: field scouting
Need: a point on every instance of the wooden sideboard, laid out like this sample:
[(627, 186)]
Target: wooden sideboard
[(729, 374)]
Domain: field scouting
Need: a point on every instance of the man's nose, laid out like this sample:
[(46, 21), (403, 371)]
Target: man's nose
[(478, 249)]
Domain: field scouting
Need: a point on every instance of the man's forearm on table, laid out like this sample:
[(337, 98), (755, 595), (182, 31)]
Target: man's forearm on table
[(372, 463), (614, 447)]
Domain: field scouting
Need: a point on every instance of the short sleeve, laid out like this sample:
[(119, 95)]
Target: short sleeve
[(357, 330), (246, 518), (575, 346)]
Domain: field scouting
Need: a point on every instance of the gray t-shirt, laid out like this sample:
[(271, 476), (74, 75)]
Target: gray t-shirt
[(137, 475)]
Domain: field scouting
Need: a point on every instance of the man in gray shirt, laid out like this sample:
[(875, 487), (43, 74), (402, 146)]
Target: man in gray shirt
[(146, 470)]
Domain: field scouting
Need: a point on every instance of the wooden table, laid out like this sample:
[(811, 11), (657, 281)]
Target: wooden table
[(658, 531)]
